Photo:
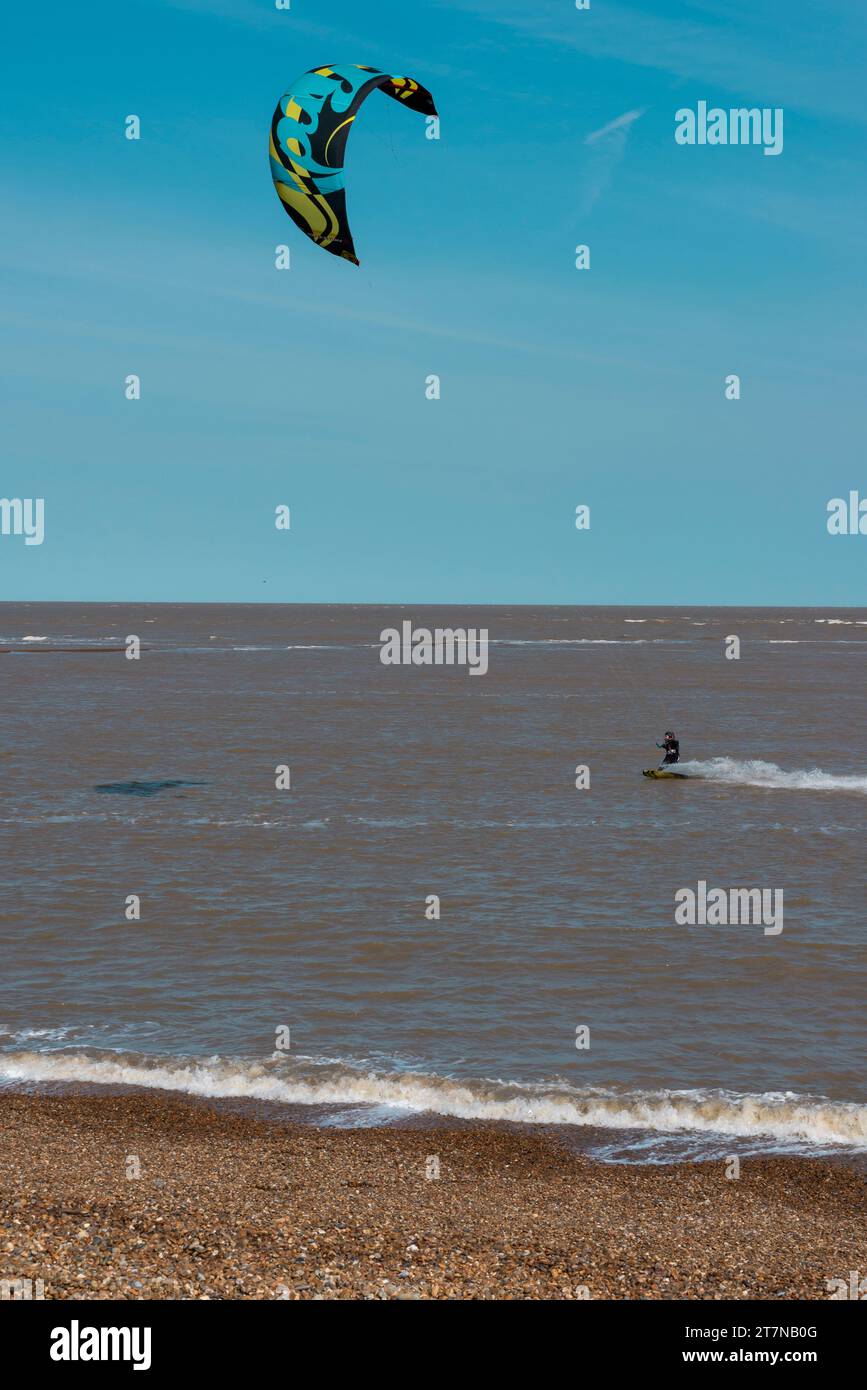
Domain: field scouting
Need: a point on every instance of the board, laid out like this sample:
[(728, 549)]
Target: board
[(663, 772)]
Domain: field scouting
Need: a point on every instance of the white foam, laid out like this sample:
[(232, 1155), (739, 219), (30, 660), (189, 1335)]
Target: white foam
[(29, 1034), (778, 1115), (755, 773), (574, 641)]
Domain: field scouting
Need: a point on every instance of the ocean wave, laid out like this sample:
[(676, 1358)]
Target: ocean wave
[(293, 647), (583, 641), (755, 773), (30, 1034), (407, 823), (90, 818), (781, 1116)]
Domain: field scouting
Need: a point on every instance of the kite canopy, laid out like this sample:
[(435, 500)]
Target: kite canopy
[(309, 130)]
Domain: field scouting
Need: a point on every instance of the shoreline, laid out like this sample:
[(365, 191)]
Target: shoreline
[(622, 1141), (227, 1205)]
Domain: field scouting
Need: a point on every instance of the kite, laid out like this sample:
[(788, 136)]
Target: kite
[(309, 130)]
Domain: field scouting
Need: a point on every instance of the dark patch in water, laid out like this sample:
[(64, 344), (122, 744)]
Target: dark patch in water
[(142, 788)]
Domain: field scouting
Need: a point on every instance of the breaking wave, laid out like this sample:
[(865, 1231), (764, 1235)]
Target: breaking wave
[(755, 773), (794, 1120)]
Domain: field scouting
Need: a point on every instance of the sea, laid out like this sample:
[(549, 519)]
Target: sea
[(254, 864)]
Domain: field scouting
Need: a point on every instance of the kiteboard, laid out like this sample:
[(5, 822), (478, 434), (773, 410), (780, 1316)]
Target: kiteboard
[(663, 772)]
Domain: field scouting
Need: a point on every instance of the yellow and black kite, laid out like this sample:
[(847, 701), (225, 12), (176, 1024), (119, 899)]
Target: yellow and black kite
[(309, 131)]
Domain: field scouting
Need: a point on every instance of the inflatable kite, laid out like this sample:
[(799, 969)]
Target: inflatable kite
[(309, 131)]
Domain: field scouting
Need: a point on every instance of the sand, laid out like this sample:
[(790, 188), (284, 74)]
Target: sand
[(228, 1206)]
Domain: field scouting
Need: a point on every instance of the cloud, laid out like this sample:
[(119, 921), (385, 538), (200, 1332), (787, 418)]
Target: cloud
[(619, 126), (607, 147), (814, 63)]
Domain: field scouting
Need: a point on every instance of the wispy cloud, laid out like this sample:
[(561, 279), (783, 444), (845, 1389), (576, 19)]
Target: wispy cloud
[(348, 46), (607, 148), (619, 128), (814, 63)]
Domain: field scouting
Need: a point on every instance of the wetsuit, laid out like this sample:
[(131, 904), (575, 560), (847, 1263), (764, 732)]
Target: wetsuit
[(672, 750)]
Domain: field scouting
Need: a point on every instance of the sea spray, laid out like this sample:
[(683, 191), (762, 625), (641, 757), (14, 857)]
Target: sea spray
[(784, 1116), (755, 773)]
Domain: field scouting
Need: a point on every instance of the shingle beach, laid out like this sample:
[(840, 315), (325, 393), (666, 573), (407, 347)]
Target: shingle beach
[(231, 1207)]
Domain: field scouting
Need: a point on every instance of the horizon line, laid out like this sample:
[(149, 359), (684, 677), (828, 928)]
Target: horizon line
[(398, 603)]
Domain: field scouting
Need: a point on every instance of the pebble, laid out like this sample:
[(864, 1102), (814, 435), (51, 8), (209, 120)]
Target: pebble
[(239, 1208)]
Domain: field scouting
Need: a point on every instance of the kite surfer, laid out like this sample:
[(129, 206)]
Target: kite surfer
[(672, 749)]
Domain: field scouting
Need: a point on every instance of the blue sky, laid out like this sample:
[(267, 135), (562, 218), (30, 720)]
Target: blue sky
[(559, 387)]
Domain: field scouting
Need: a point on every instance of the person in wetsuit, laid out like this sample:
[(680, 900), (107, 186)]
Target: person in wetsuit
[(672, 749)]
